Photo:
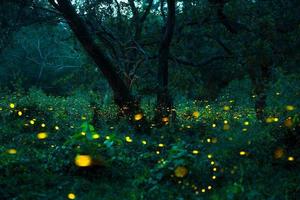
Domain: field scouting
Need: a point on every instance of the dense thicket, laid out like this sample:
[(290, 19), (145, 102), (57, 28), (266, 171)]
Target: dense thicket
[(169, 98)]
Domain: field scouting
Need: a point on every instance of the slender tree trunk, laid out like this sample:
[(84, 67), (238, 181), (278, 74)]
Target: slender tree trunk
[(164, 100)]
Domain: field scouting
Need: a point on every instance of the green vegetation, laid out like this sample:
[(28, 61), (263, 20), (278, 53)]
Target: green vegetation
[(214, 150), (149, 99)]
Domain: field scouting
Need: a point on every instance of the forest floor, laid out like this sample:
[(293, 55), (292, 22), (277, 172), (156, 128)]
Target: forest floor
[(50, 150)]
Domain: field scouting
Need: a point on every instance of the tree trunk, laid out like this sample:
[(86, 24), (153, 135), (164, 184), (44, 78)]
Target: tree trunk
[(122, 95), (260, 79), (164, 101)]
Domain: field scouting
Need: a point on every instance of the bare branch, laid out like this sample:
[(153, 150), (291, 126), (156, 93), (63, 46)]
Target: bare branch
[(202, 63)]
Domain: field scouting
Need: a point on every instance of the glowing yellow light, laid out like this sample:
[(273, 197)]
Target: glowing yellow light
[(1, 108), (225, 122), (242, 153), (128, 139), (71, 196), (42, 135), (165, 119), (107, 137), (214, 169), (244, 129), (209, 156), (20, 113), (195, 152), (226, 127), (12, 151), (83, 133), (31, 122), (275, 119), (226, 108), (181, 171), (144, 142), (96, 136), (291, 158), (138, 116), (157, 152), (83, 160), (203, 190), (214, 125), (289, 108), (213, 177), (43, 125), (208, 140), (12, 105), (269, 119), (212, 162), (161, 145), (83, 117), (246, 123), (209, 187), (56, 128), (196, 114)]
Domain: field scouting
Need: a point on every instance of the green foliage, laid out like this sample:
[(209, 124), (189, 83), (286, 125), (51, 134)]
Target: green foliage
[(56, 106), (177, 161)]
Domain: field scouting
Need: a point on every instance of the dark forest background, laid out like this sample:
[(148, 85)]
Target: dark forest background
[(200, 89)]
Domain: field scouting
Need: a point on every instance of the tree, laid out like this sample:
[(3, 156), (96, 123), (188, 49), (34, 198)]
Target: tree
[(164, 99), (122, 95)]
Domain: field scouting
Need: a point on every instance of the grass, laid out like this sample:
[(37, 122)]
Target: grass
[(215, 150)]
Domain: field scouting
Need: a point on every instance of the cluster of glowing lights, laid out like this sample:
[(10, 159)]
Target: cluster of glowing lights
[(279, 153), (128, 139), (272, 119), (180, 171)]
